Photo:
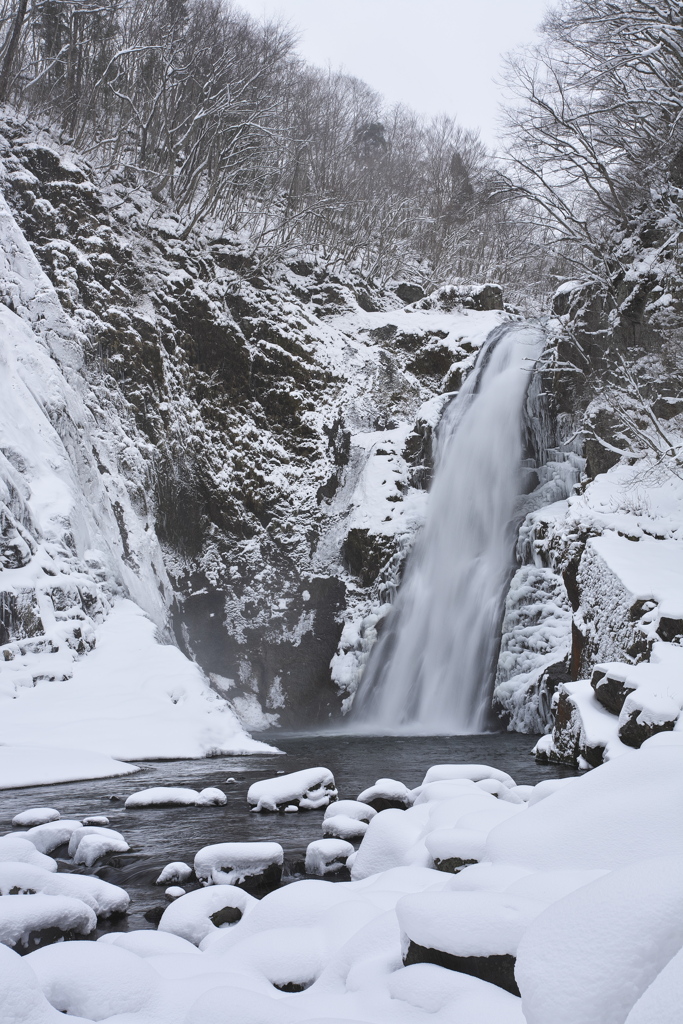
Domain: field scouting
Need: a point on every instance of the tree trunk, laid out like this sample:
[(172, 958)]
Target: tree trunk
[(12, 47)]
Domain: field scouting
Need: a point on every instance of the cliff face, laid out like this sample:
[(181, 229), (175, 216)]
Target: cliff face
[(255, 441), (594, 621)]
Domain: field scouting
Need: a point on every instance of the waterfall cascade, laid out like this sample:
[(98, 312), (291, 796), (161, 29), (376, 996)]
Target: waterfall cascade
[(431, 672)]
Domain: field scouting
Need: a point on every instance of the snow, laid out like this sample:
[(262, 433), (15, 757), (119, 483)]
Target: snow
[(92, 843), (102, 897), (30, 765), (94, 980), (651, 570), (309, 789), (177, 871), (350, 809), (35, 816), (52, 834), (462, 843), (466, 923), (661, 1002), (16, 848), (190, 916), (130, 698), (175, 796), (635, 927), (21, 916), (174, 892), (326, 856), (341, 826), (147, 943), (613, 816), (389, 790), (21, 997), (473, 772), (233, 863)]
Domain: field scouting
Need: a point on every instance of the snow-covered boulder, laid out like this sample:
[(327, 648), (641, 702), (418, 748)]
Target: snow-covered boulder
[(645, 713), (176, 871), (92, 842), (96, 819), (350, 809), (21, 997), (387, 794), (212, 797), (202, 912), (327, 856), (17, 848), (175, 796), (102, 897), (474, 932), (35, 816), (308, 790), (341, 826), (609, 939), (174, 892), (95, 980), (393, 839), (254, 865), (27, 921), (50, 836), (473, 772), (453, 849)]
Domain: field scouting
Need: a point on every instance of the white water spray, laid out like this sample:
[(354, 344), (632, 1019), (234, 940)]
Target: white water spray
[(432, 669)]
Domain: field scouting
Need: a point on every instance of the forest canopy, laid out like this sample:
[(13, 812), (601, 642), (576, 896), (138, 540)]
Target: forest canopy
[(216, 114)]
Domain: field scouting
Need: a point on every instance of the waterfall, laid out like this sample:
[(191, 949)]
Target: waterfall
[(431, 672)]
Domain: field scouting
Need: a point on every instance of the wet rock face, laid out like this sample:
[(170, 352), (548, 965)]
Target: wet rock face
[(498, 969)]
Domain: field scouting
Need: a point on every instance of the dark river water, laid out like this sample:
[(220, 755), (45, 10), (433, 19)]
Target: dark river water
[(159, 835)]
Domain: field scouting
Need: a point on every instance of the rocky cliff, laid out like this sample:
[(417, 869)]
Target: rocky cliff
[(251, 443)]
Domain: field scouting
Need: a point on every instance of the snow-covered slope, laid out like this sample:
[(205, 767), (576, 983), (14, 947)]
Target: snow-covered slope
[(81, 667)]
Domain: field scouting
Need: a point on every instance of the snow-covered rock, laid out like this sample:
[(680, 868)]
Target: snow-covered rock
[(327, 856), (308, 790), (35, 816), (473, 772), (476, 933), (90, 842), (350, 809), (452, 849), (202, 912), (28, 920), (176, 871), (636, 927), (341, 826), (52, 834), (94, 980), (256, 865), (102, 897), (175, 796), (21, 848), (385, 794)]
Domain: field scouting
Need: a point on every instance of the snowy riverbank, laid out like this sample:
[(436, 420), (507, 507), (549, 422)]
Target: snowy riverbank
[(537, 907)]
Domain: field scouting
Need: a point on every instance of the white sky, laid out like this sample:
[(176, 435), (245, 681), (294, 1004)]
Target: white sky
[(437, 56)]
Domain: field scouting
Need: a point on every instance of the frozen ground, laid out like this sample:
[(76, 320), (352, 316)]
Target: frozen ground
[(538, 930)]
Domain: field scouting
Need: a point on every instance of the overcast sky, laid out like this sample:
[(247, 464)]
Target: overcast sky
[(438, 56)]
